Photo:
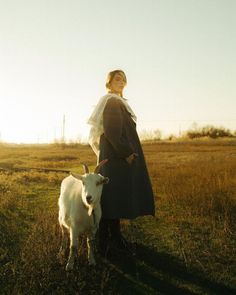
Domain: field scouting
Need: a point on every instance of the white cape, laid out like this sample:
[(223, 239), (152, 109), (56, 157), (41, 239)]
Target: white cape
[(96, 120)]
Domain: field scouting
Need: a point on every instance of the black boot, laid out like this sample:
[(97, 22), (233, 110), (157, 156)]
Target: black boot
[(118, 241), (104, 236)]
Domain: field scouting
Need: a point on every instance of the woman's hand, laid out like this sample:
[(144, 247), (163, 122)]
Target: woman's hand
[(131, 158)]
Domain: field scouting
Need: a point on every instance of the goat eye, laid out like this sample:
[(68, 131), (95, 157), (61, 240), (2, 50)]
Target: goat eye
[(98, 183)]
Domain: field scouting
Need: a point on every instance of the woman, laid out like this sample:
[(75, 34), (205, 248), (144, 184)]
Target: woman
[(113, 136)]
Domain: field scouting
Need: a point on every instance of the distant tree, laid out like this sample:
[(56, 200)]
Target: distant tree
[(171, 137), (209, 131), (157, 134), (150, 134)]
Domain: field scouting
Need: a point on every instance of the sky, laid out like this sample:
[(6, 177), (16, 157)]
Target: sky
[(179, 57)]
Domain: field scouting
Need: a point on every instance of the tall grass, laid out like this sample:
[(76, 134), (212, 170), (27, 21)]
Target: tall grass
[(194, 185), (204, 192)]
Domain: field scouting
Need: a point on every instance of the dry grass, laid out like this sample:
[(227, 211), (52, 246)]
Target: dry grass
[(189, 248)]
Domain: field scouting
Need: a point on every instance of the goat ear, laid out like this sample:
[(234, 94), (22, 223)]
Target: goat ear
[(78, 176), (105, 180)]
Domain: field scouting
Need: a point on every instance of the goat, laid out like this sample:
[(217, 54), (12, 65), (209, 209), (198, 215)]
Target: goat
[(80, 210)]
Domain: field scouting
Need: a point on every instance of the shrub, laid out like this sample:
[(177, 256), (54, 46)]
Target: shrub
[(209, 131)]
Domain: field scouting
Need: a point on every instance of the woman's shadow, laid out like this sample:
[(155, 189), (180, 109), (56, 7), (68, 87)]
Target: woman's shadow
[(144, 271)]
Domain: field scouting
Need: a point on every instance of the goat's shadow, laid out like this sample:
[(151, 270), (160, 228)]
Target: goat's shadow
[(148, 272)]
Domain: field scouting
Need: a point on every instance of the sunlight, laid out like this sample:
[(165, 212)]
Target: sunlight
[(22, 125)]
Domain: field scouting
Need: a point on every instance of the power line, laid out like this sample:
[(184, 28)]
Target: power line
[(181, 120)]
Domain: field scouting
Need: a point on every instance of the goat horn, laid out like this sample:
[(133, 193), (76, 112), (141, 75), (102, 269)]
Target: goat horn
[(86, 169), (100, 165)]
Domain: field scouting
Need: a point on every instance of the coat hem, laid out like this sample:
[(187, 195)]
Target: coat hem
[(129, 217)]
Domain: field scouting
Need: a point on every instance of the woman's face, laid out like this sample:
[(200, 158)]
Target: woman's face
[(118, 83)]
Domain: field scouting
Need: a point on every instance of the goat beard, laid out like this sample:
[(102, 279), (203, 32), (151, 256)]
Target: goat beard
[(90, 210)]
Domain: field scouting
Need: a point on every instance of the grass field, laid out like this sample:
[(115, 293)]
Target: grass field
[(188, 248)]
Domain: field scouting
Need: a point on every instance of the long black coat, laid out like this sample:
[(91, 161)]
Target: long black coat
[(129, 193)]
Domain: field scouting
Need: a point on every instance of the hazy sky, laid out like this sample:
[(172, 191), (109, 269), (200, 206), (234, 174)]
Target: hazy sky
[(179, 57)]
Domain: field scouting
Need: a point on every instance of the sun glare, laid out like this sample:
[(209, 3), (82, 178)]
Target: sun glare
[(22, 126)]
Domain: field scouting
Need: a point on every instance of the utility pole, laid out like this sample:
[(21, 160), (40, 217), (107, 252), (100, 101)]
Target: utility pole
[(179, 130), (63, 128)]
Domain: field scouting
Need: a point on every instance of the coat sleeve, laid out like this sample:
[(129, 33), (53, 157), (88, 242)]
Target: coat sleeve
[(113, 123)]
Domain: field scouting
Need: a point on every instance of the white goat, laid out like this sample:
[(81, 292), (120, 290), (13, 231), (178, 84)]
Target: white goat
[(80, 210)]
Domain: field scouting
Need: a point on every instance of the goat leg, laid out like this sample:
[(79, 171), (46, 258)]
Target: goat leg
[(91, 250)]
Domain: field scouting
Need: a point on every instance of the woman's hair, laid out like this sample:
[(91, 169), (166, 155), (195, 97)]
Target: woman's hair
[(110, 77)]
